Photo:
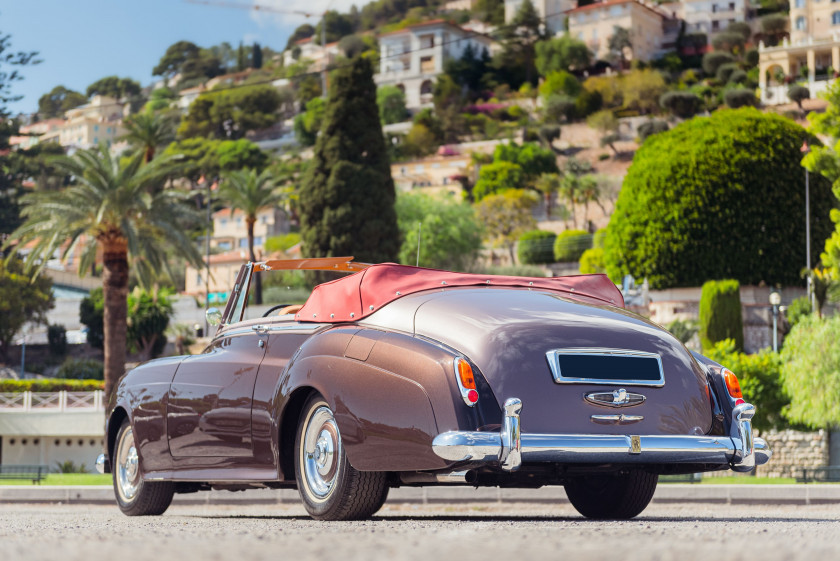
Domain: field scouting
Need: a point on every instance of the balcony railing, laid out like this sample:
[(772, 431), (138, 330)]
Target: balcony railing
[(51, 402)]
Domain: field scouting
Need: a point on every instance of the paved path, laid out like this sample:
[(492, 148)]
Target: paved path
[(518, 531)]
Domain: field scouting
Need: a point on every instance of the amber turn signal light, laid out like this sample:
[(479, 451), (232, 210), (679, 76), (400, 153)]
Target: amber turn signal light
[(466, 381), (732, 384)]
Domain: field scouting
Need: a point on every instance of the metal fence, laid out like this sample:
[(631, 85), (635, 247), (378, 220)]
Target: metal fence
[(51, 402)]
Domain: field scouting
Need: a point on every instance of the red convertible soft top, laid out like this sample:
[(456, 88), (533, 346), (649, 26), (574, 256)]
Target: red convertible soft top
[(356, 296)]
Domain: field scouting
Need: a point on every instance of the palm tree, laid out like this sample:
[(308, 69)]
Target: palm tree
[(115, 210), (148, 131), (249, 192), (548, 184)]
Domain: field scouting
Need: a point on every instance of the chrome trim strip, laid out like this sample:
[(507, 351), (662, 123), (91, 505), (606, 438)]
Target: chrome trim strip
[(616, 419), (501, 447), (102, 464), (554, 365), (616, 398), (306, 327)]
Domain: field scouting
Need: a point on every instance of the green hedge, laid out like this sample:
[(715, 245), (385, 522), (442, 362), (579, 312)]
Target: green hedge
[(570, 245), (536, 246), (720, 314), (51, 385), (718, 197)]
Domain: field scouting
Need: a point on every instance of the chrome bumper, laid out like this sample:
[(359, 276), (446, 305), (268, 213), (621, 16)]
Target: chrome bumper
[(510, 447), (102, 464)]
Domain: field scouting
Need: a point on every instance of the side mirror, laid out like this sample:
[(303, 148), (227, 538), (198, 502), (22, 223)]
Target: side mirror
[(214, 316)]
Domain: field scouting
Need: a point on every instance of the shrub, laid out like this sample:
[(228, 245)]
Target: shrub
[(720, 313), (714, 60), (740, 97), (798, 309), (760, 378), (81, 369), (57, 340), (588, 103), (69, 466), (751, 57), (718, 197), (536, 246), (724, 71), (798, 94), (738, 77), (592, 261), (651, 127), (682, 330), (570, 245), (50, 385), (598, 237), (681, 103)]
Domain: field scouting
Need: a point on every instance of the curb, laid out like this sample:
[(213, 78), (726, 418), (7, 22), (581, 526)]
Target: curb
[(668, 493)]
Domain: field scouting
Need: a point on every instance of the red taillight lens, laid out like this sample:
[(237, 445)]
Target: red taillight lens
[(466, 381), (732, 384)]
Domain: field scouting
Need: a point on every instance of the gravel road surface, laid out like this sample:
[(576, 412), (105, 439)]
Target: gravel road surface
[(420, 532)]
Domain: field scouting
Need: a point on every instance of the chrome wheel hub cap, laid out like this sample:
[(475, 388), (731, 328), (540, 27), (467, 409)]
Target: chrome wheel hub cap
[(321, 448), (128, 467)]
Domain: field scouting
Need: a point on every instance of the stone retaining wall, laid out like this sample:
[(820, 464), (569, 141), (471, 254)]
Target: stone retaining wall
[(793, 450)]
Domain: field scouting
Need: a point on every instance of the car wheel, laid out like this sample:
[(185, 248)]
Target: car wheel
[(617, 497), (136, 497), (331, 489)]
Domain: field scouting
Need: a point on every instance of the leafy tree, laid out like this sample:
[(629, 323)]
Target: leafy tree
[(338, 25), (559, 107), (641, 89), (682, 104), (57, 340), (798, 94), (724, 72), (8, 76), (174, 58), (113, 207), (562, 53), (653, 126), (774, 28), (148, 318), (450, 233), (506, 216), (249, 192), (231, 113), (147, 132), (535, 247), (516, 62), (449, 100), (560, 82), (22, 299), (471, 71), (114, 86), (419, 141), (592, 261), (714, 60), (742, 28), (740, 97), (720, 314), (549, 185), (57, 101), (303, 31), (729, 41), (160, 99), (533, 159), (197, 157), (619, 43), (308, 124), (490, 11), (717, 197), (498, 177), (353, 45), (391, 102), (347, 196), (760, 377), (233, 155), (811, 372), (606, 123), (798, 309)]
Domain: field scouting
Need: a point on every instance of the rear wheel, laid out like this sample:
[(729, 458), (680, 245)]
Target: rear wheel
[(331, 489), (613, 496), (136, 497)]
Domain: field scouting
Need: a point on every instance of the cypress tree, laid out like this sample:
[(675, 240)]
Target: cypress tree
[(241, 59), (256, 56), (347, 196)]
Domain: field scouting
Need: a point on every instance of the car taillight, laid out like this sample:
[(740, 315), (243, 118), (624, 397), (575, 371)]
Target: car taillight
[(466, 381), (732, 386)]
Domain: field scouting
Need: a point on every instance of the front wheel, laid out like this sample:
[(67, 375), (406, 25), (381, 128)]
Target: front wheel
[(331, 489), (613, 496), (136, 497)]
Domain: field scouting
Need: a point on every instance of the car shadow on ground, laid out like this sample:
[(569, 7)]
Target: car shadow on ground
[(526, 518)]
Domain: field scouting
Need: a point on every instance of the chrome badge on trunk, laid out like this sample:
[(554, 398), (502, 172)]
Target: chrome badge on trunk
[(617, 398)]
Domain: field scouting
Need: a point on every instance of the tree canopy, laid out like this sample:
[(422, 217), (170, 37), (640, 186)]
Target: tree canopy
[(562, 53), (229, 114), (57, 101), (718, 197), (113, 86), (22, 299)]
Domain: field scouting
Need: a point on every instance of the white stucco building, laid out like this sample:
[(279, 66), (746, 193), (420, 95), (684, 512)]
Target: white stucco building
[(412, 57)]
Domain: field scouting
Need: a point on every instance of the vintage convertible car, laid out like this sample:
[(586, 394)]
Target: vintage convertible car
[(397, 375)]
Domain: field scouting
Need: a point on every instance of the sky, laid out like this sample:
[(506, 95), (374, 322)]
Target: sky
[(83, 40)]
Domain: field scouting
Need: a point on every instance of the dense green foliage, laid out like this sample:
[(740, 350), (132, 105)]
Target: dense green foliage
[(718, 197), (229, 114), (50, 385), (811, 372), (761, 382), (536, 246), (450, 235), (720, 313), (799, 309), (506, 216), (57, 340), (308, 123), (347, 197), (113, 86), (81, 369), (682, 104), (740, 97), (58, 100), (23, 298), (651, 127), (391, 102), (592, 261), (570, 245)]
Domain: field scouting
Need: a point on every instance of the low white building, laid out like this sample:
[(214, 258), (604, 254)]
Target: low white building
[(709, 16), (50, 428), (412, 57)]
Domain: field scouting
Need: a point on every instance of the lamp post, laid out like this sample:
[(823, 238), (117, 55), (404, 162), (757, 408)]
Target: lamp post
[(805, 150), (775, 300)]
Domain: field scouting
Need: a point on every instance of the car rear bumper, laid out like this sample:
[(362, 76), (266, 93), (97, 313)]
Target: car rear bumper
[(511, 448)]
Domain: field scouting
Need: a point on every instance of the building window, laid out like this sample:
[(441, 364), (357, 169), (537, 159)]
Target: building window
[(714, 8), (243, 242), (715, 25), (835, 18), (800, 23), (258, 240), (426, 87), (427, 41), (615, 11), (427, 65), (96, 128), (800, 3)]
